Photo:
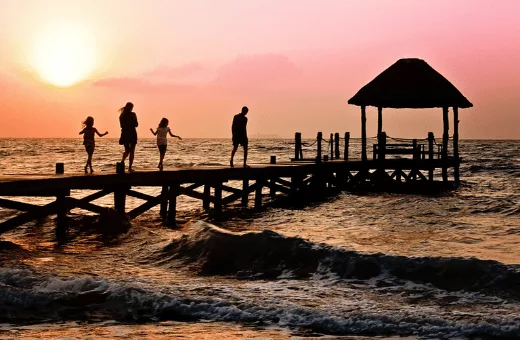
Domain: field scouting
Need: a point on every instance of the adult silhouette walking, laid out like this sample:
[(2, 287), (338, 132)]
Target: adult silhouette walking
[(128, 122), (239, 131)]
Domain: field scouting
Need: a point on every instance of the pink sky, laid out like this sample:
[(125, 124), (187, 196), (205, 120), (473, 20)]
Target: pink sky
[(293, 63)]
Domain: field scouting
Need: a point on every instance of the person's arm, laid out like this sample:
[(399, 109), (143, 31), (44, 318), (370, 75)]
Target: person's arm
[(100, 134), (135, 117), (154, 132), (171, 134), (82, 132)]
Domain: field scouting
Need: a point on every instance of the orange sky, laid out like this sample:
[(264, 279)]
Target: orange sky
[(293, 63)]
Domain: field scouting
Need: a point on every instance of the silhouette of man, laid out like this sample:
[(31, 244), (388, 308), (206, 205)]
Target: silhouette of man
[(239, 130)]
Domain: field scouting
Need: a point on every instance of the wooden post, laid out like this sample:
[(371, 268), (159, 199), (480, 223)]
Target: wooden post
[(296, 181), (273, 160), (207, 196), (61, 218), (336, 148), (272, 187), (258, 193), (415, 159), (120, 200), (245, 191), (331, 146), (297, 145), (456, 143), (445, 137), (379, 120), (363, 134), (431, 139), (172, 208), (120, 168), (218, 198), (347, 141), (60, 168), (164, 200), (382, 146), (318, 141)]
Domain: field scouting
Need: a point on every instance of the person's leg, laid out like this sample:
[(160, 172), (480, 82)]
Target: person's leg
[(245, 155), (125, 153), (162, 152), (89, 161), (235, 147), (131, 157)]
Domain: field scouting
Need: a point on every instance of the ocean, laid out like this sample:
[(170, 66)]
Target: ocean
[(349, 266)]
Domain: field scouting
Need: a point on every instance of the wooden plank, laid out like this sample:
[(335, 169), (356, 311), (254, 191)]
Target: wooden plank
[(231, 189), (96, 195), (28, 216), (140, 195), (234, 197), (5, 203), (145, 207), (77, 203), (194, 194)]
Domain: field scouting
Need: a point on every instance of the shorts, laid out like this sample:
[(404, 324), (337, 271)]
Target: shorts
[(162, 148), (240, 141), (89, 147), (129, 146)]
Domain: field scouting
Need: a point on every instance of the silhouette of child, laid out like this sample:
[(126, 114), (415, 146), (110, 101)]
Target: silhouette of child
[(162, 143), (88, 140)]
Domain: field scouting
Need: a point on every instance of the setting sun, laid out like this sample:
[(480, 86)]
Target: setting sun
[(63, 55)]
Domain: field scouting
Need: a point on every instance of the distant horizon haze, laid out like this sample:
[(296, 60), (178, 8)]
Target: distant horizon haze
[(197, 63)]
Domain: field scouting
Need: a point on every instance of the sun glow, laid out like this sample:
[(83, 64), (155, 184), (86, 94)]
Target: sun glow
[(64, 55)]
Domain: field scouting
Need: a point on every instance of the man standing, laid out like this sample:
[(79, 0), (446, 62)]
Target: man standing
[(239, 130)]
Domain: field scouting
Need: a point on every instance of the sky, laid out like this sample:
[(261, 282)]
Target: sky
[(295, 64)]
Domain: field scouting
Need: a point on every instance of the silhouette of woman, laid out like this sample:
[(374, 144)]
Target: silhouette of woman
[(128, 122)]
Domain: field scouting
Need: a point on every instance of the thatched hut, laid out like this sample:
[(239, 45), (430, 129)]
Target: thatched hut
[(413, 84)]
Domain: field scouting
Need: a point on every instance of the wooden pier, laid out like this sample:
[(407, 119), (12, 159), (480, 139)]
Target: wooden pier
[(296, 179)]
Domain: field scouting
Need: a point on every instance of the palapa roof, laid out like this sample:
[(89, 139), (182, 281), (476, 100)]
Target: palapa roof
[(410, 83)]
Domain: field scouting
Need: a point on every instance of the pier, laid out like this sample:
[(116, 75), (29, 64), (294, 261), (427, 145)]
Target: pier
[(397, 165)]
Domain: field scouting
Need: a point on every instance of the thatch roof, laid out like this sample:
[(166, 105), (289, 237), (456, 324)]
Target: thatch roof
[(410, 83)]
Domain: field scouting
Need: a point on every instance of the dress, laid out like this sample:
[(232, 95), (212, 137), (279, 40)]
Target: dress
[(239, 130), (162, 140), (128, 122), (88, 139)]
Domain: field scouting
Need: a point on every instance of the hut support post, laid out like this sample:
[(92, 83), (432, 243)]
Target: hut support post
[(456, 142), (431, 139), (297, 145), (347, 141), (363, 134), (318, 141), (336, 146), (379, 120), (445, 137)]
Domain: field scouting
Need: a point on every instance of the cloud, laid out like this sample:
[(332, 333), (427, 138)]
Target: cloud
[(130, 84), (258, 71), (175, 72)]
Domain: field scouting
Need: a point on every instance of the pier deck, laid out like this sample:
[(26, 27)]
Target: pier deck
[(208, 184)]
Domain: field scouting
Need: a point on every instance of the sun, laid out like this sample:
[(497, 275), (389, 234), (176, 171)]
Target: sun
[(64, 54)]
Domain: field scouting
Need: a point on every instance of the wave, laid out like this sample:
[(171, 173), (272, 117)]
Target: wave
[(27, 296), (267, 254)]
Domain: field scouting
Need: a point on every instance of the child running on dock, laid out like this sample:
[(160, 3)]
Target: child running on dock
[(88, 140), (162, 143)]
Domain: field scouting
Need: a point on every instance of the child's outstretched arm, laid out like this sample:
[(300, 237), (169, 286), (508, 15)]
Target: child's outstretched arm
[(101, 134), (171, 134), (82, 132), (154, 132)]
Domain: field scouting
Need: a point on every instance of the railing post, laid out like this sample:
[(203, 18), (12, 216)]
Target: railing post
[(336, 146), (297, 145), (60, 168), (318, 141), (331, 146), (347, 141), (431, 139)]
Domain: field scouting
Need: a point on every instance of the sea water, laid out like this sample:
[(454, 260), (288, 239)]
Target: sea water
[(349, 266)]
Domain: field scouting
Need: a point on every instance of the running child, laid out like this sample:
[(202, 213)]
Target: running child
[(88, 140), (162, 143)]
